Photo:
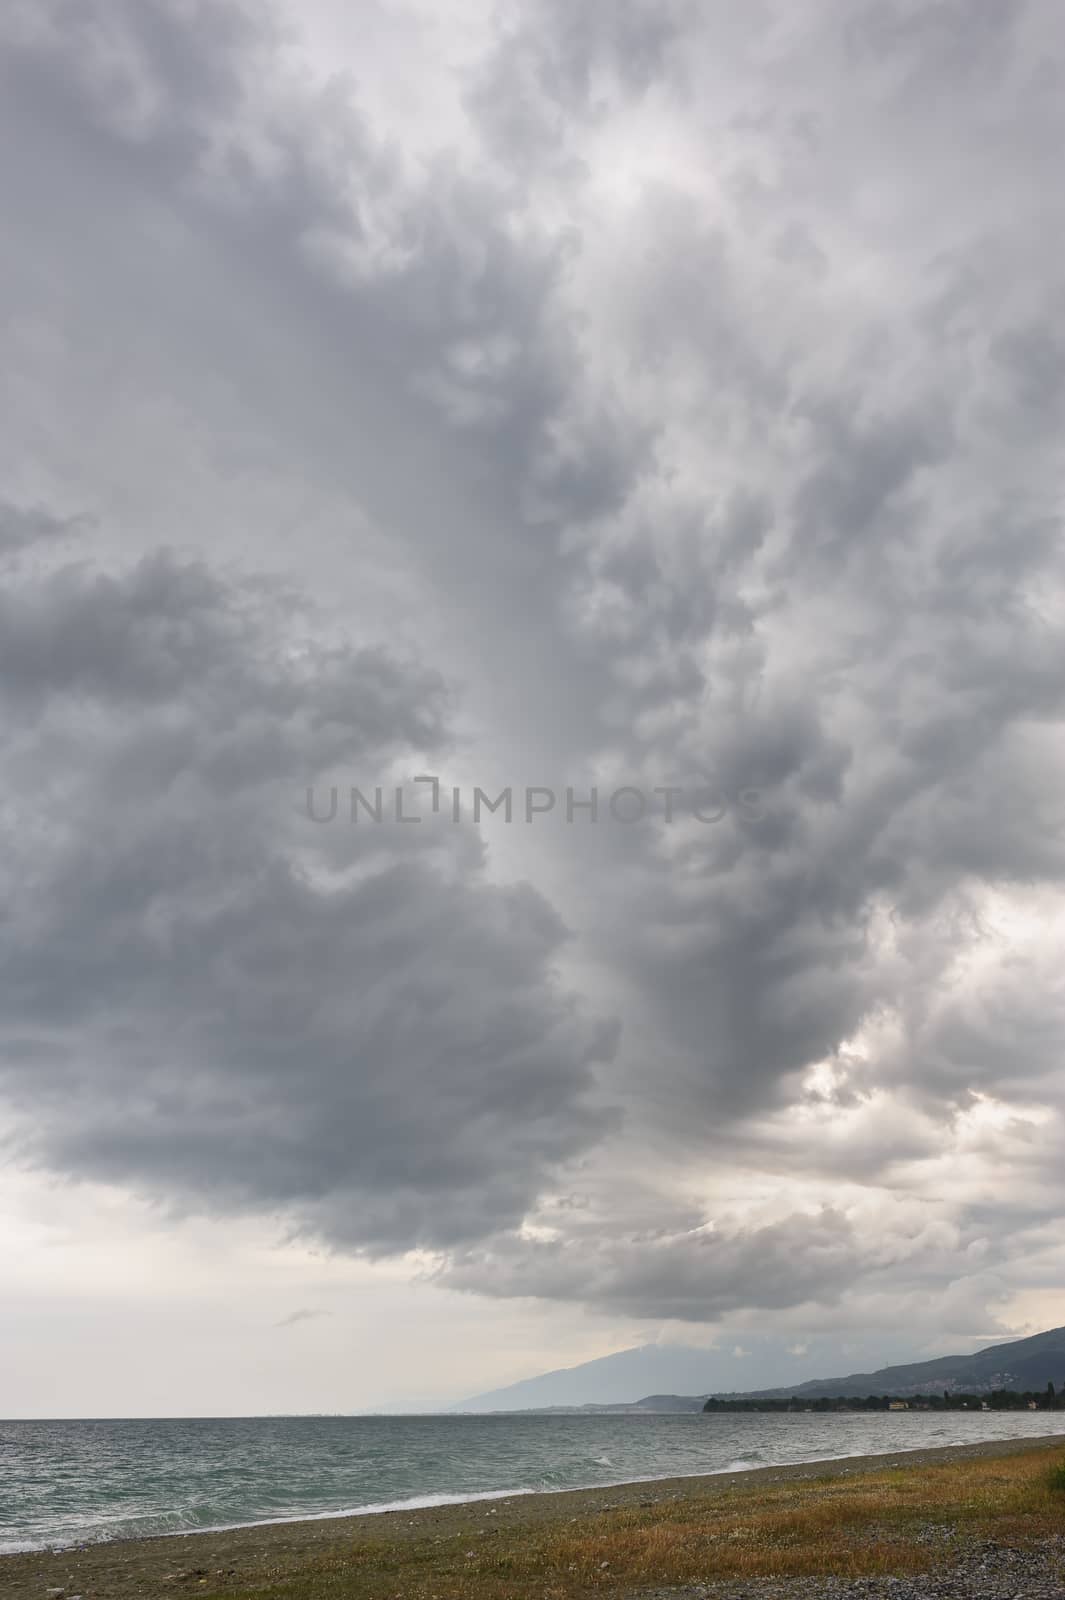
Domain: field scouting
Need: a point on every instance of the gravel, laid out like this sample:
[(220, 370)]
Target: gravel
[(983, 1572)]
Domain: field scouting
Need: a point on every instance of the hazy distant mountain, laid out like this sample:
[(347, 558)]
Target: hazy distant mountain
[(1029, 1363), (610, 1380), (662, 1377)]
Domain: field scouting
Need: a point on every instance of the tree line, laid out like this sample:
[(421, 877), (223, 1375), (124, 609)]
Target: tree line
[(1047, 1399)]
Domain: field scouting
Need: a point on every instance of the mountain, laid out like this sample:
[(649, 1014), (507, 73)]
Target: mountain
[(1020, 1364), (664, 1377), (610, 1380)]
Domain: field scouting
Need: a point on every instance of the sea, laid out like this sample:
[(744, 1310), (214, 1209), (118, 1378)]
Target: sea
[(70, 1483)]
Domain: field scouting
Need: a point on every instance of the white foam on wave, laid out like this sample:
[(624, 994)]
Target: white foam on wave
[(421, 1502), (413, 1503), (418, 1502)]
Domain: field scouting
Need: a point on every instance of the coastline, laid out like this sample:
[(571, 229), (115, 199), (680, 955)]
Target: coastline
[(261, 1555)]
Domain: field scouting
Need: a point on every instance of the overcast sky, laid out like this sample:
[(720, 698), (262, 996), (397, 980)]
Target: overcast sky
[(640, 393)]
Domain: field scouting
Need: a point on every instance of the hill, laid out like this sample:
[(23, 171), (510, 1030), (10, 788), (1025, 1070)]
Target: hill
[(655, 1377), (615, 1380), (1029, 1363), (671, 1377)]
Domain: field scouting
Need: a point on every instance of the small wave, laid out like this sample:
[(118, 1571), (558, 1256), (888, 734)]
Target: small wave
[(417, 1502), (107, 1526), (414, 1503)]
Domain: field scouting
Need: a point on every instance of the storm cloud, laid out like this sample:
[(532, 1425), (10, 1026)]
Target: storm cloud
[(674, 399), (209, 994)]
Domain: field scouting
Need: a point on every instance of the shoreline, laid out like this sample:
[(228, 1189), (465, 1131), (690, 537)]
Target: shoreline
[(445, 1501), (442, 1501), (230, 1560)]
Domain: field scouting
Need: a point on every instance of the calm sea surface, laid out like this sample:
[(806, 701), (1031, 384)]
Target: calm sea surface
[(70, 1482)]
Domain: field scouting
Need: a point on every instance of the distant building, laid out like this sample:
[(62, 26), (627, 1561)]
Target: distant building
[(1032, 1405), (898, 1405)]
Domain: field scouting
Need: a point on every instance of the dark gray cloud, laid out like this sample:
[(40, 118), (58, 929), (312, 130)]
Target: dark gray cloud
[(304, 1315), (213, 998), (707, 402), (24, 526), (701, 1275)]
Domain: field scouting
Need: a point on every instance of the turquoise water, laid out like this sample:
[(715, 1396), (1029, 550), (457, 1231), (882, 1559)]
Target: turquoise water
[(65, 1483)]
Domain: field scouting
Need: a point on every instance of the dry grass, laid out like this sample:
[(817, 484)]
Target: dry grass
[(898, 1521)]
